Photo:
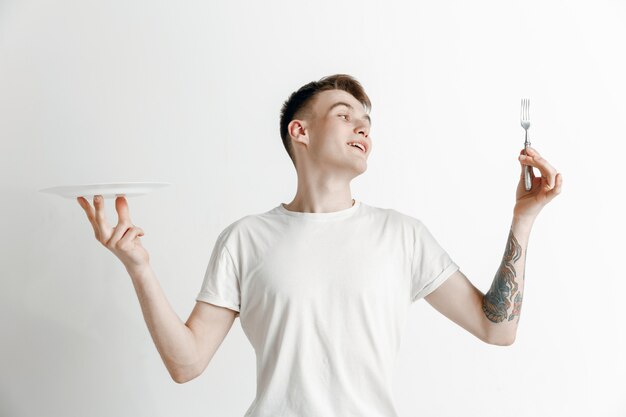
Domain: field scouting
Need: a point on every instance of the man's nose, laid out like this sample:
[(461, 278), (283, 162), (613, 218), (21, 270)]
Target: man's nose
[(361, 130)]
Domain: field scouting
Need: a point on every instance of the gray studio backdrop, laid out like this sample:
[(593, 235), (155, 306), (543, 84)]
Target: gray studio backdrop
[(190, 92)]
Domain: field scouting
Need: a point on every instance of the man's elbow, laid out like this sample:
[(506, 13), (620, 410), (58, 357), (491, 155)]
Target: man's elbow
[(183, 377), (180, 380), (501, 341)]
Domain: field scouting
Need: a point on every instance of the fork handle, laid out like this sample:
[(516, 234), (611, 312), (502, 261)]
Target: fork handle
[(528, 183)]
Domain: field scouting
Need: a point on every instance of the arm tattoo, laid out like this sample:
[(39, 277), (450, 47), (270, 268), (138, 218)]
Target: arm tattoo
[(499, 298)]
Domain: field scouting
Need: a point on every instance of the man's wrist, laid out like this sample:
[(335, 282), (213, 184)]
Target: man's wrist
[(138, 271), (522, 223)]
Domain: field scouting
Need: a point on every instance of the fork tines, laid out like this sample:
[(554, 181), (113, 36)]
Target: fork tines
[(525, 110)]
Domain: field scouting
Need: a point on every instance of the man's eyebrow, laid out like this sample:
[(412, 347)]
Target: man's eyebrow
[(341, 103)]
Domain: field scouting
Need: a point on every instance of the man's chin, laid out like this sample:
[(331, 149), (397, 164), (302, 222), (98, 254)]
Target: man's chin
[(352, 169), (360, 170)]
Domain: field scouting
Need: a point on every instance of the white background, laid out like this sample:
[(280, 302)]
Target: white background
[(190, 93)]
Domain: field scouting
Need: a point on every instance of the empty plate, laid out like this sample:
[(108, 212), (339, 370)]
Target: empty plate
[(127, 189)]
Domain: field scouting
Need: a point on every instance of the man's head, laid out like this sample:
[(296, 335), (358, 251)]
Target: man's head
[(316, 129)]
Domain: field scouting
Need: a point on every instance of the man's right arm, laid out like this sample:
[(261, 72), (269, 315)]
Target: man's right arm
[(185, 348)]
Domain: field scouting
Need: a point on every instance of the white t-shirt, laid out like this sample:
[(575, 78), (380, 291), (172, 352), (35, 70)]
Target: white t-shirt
[(323, 299)]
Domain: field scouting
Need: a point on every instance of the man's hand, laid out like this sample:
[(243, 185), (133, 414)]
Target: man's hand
[(544, 189), (123, 239)]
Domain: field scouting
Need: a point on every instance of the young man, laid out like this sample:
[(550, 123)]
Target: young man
[(322, 285)]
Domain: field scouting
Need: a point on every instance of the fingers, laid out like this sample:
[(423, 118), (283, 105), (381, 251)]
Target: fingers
[(557, 188), (523, 165), (118, 233), (101, 221), (123, 222), (123, 235), (130, 235), (90, 214), (121, 205), (532, 158), (530, 170), (95, 217)]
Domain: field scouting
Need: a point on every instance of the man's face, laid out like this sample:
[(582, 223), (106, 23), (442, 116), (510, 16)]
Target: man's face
[(331, 127)]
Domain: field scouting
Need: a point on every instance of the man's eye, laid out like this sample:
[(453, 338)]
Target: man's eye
[(344, 115)]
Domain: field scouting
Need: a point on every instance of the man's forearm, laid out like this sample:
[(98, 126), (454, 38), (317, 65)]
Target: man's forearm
[(502, 304), (173, 339)]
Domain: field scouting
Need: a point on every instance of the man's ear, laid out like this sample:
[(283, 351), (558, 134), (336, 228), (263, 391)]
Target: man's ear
[(297, 131)]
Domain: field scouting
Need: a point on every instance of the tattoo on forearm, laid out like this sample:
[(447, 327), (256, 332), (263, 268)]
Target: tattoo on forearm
[(504, 289), (517, 307)]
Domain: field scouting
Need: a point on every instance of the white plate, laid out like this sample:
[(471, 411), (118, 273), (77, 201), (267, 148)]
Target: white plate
[(128, 189)]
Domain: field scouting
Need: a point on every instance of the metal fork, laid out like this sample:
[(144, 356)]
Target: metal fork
[(525, 121)]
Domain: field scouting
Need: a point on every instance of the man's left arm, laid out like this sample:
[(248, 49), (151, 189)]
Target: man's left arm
[(493, 317)]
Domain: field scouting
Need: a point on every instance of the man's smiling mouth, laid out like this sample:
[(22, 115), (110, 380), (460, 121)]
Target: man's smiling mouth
[(357, 145)]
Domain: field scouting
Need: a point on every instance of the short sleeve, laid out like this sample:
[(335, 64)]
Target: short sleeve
[(431, 264), (221, 284)]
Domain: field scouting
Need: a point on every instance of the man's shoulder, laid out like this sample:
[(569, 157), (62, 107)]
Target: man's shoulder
[(248, 222), (391, 214)]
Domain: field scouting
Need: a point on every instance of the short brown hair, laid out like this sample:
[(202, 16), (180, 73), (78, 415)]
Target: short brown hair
[(299, 102)]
